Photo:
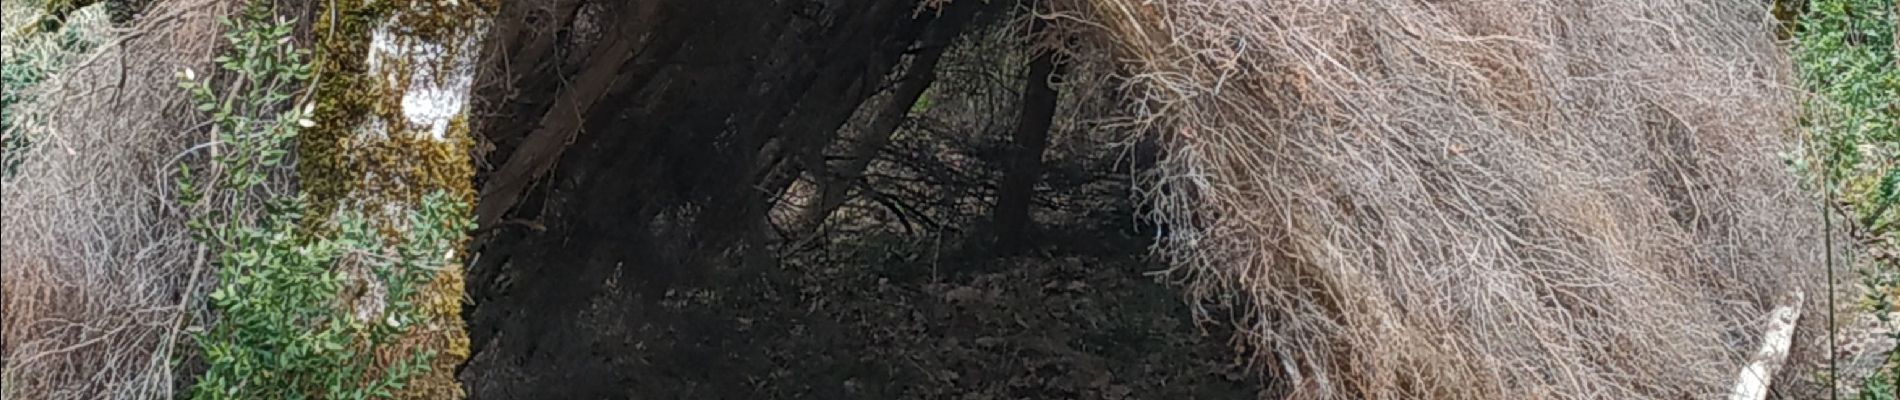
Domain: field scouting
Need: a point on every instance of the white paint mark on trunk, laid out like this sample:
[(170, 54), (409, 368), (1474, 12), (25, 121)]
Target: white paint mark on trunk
[(439, 79)]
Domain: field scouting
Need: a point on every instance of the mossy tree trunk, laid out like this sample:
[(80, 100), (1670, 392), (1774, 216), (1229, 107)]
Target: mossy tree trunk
[(392, 89)]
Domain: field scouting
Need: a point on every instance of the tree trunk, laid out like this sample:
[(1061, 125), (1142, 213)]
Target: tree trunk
[(392, 94), (835, 182), (648, 179), (1011, 218)]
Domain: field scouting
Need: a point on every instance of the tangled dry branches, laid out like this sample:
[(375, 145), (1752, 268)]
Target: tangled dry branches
[(1472, 199), (97, 265)]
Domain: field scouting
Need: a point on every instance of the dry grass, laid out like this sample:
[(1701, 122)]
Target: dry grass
[(1508, 199), (97, 266)]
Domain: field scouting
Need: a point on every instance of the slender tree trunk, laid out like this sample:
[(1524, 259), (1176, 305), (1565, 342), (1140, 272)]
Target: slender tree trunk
[(537, 154), (1011, 218), (835, 182), (650, 184)]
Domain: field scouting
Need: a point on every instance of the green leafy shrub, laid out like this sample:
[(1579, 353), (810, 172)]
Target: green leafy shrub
[(15, 79), (300, 313), (283, 331), (31, 58), (1846, 59)]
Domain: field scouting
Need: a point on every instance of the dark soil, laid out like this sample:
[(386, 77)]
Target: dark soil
[(875, 323)]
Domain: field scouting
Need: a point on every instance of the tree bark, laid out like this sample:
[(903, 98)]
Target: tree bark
[(835, 182), (559, 125), (1011, 219), (392, 95), (656, 184)]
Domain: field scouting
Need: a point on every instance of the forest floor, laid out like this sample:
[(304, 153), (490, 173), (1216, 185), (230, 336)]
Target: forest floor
[(881, 324)]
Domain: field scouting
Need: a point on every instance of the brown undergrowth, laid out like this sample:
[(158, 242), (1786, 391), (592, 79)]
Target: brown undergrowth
[(97, 264), (1472, 199)]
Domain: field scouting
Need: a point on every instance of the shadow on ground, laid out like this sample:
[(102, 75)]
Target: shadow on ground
[(873, 322)]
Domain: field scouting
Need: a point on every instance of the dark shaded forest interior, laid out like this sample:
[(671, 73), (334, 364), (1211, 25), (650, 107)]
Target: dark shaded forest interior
[(813, 199)]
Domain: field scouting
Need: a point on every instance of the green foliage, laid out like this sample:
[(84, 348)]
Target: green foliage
[(253, 135), (283, 332), (1846, 58), (24, 68), (1880, 386), (15, 79), (286, 324), (922, 104)]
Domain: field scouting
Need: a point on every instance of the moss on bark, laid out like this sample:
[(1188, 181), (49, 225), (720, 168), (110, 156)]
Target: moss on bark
[(368, 154)]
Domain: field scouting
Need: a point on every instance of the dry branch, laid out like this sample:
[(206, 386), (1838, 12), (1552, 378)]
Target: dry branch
[(1471, 199), (97, 270), (1754, 381)]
